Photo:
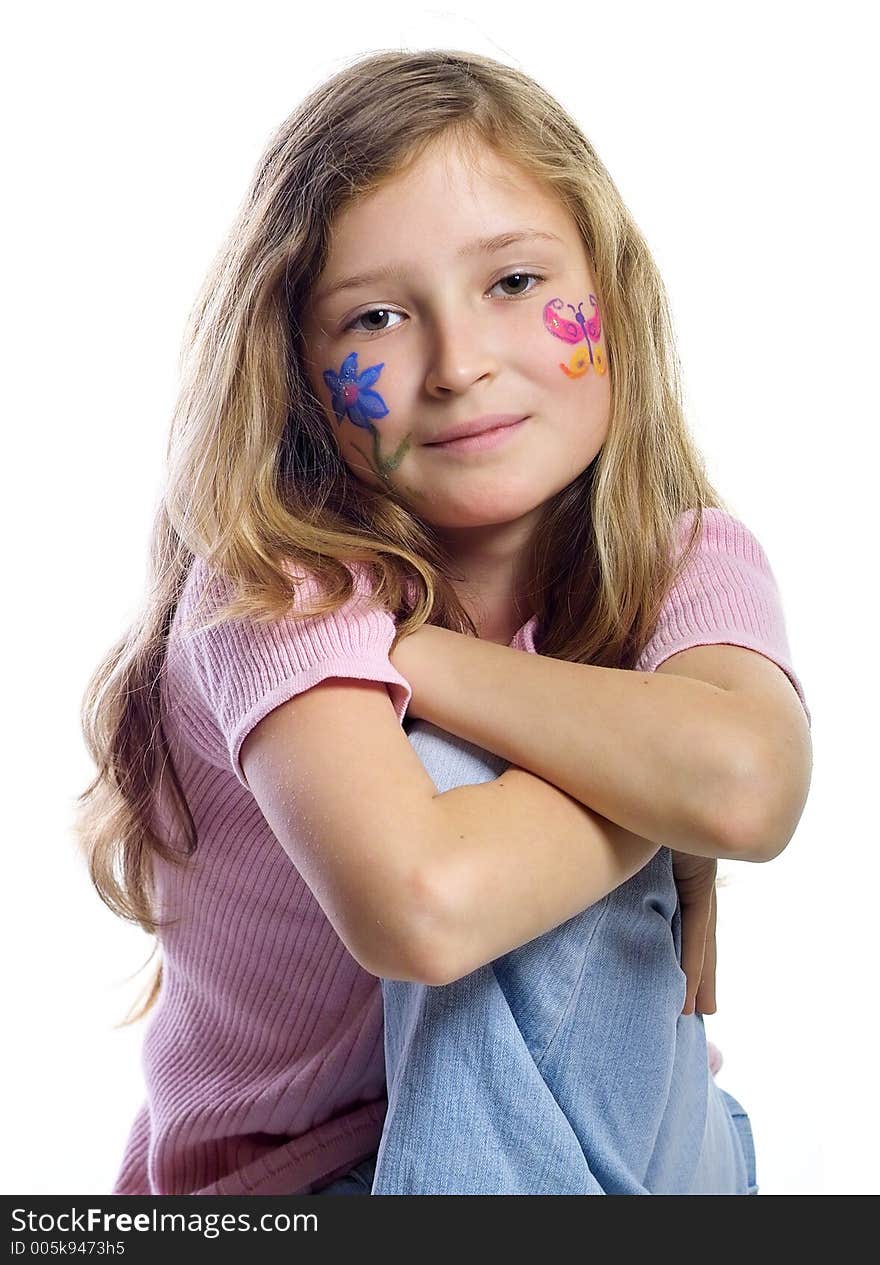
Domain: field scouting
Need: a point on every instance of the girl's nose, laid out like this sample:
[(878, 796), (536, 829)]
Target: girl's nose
[(458, 355)]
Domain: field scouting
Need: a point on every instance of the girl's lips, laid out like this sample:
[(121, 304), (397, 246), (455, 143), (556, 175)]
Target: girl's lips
[(478, 443)]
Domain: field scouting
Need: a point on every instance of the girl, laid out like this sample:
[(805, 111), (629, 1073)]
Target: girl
[(468, 955)]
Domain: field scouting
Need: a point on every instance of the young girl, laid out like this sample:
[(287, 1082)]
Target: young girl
[(467, 955)]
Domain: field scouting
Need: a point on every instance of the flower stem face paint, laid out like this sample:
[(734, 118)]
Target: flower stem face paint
[(582, 327), (354, 399)]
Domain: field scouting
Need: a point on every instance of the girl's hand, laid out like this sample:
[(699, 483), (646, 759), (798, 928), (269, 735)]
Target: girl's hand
[(695, 880)]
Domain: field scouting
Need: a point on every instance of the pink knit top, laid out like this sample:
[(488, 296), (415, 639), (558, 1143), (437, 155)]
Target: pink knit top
[(263, 1058)]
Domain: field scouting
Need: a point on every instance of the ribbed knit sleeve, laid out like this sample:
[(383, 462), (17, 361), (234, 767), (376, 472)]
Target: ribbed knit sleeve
[(244, 669), (726, 594)]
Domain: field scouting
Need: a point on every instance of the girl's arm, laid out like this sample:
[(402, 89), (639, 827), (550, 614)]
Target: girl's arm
[(669, 758), (515, 857), (421, 885)]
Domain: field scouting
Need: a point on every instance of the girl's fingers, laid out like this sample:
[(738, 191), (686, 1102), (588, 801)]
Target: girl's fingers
[(705, 1001), (695, 916)]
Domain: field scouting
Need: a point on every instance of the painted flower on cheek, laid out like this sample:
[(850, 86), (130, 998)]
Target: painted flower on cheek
[(352, 397)]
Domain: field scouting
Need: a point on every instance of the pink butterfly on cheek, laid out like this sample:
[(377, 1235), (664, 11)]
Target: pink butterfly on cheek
[(573, 331)]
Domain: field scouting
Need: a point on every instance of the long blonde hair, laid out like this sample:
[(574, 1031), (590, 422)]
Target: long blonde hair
[(254, 477)]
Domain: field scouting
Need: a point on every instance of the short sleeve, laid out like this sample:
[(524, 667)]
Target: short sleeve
[(244, 669), (726, 594)]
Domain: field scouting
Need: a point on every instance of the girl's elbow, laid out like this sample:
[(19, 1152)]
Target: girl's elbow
[(420, 949), (425, 964), (765, 840), (773, 799)]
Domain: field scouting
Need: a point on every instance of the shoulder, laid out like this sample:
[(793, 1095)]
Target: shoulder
[(724, 593), (727, 557), (207, 591), (727, 572), (723, 534), (245, 666), (259, 642)]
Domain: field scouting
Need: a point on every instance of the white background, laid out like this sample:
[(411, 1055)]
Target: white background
[(741, 137)]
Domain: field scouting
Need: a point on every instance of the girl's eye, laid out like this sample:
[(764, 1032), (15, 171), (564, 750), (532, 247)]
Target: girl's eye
[(519, 276), (372, 329), (382, 312)]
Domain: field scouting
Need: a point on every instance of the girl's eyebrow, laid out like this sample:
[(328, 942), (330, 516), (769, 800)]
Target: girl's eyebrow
[(390, 272)]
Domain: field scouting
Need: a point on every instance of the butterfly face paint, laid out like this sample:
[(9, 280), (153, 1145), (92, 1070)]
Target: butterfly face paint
[(353, 398), (587, 328)]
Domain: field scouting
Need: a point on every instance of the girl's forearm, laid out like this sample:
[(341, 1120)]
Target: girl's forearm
[(514, 858), (663, 756)]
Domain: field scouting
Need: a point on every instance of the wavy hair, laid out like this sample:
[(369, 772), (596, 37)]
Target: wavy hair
[(254, 480)]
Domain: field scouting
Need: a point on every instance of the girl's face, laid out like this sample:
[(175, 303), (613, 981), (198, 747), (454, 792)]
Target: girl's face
[(478, 299)]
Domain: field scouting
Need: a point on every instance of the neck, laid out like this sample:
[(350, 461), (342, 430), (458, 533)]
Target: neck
[(486, 560)]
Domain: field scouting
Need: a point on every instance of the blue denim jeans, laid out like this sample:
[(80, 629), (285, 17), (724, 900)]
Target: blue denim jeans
[(563, 1067)]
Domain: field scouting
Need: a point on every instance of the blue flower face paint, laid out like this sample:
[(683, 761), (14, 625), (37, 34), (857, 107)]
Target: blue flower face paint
[(353, 399)]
